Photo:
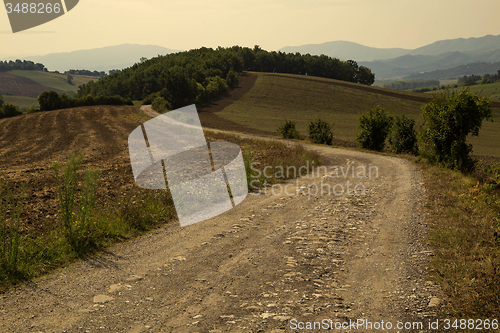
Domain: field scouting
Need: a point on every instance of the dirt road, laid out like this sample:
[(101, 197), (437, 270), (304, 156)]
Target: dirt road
[(272, 264)]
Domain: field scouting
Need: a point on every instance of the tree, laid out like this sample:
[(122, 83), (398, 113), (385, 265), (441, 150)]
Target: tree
[(365, 76), (10, 110), (1, 100), (69, 79), (374, 126), (449, 119), (49, 100)]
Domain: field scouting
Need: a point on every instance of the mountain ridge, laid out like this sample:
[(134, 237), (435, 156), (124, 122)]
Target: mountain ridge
[(397, 63), (100, 59)]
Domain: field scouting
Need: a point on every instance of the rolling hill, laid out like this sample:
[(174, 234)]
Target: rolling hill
[(15, 85), (22, 88), (345, 50), (276, 97), (396, 63)]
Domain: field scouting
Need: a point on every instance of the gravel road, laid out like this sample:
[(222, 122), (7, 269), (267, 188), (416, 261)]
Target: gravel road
[(273, 263)]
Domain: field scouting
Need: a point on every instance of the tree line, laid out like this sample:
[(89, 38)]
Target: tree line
[(26, 65), (198, 75), (411, 84), (86, 72), (477, 79)]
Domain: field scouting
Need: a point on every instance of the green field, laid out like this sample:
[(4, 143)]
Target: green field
[(276, 98), (491, 90), (21, 101), (54, 80)]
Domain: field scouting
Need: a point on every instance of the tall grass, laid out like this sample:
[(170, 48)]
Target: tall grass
[(76, 212), (10, 217)]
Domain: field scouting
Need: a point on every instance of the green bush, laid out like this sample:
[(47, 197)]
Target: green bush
[(287, 130), (403, 137), (76, 212), (320, 131), (449, 119), (374, 126), (10, 217), (161, 105), (10, 110)]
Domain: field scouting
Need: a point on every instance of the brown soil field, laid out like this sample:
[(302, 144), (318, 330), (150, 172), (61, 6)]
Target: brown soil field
[(29, 143), (21, 86)]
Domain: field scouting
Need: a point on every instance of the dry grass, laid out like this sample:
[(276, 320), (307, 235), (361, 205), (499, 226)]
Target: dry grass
[(464, 217)]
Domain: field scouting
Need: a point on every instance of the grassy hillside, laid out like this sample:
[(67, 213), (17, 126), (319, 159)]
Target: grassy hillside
[(491, 90), (275, 98), (21, 101), (54, 80)]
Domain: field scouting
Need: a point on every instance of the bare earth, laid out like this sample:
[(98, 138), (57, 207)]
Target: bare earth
[(272, 259)]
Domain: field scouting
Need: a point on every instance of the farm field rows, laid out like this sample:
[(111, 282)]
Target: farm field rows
[(54, 80)]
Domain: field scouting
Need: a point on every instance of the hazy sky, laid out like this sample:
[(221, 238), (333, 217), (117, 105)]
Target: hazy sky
[(272, 24)]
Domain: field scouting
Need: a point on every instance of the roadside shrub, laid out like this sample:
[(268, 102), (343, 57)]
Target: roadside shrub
[(320, 132), (161, 105), (374, 127), (10, 110), (11, 206), (287, 130), (77, 212), (449, 119), (402, 137)]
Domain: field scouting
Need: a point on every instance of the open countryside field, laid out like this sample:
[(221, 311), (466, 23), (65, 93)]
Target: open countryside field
[(274, 98), (491, 90), (21, 102), (54, 80), (15, 85), (243, 264)]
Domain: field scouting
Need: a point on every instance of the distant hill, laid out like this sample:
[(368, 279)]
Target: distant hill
[(479, 68), (100, 59), (346, 51), (397, 63), (409, 64), (471, 46)]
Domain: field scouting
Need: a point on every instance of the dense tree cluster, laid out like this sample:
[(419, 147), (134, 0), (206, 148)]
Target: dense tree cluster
[(477, 79), (198, 75), (8, 110), (469, 80), (51, 100), (85, 72), (491, 78), (21, 65), (411, 84)]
